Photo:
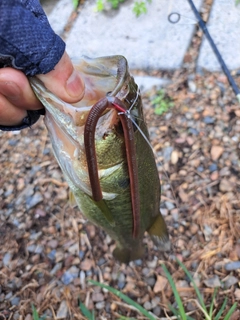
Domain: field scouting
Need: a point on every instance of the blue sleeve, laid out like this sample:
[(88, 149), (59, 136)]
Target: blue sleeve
[(27, 41)]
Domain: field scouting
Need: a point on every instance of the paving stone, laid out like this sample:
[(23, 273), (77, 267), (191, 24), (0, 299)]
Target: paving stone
[(149, 41), (145, 40), (147, 83), (48, 5), (224, 27), (59, 16)]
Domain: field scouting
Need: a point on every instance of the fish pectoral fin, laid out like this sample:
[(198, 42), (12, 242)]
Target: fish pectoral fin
[(71, 199), (125, 255), (159, 234), (106, 211)]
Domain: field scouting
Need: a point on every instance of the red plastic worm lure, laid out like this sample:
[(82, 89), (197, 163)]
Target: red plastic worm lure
[(89, 142)]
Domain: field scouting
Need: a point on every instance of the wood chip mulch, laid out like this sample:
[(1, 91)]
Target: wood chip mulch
[(48, 251)]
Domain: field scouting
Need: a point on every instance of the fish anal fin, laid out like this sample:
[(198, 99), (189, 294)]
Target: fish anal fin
[(71, 199), (159, 234)]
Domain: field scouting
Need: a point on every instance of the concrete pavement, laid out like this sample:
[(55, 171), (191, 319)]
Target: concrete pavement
[(224, 27), (150, 41)]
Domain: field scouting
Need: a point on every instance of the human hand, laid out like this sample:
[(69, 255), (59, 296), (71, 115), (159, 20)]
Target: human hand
[(16, 95)]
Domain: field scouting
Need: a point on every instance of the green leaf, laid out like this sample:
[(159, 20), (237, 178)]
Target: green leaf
[(230, 312), (35, 313), (124, 298), (176, 294), (99, 6), (177, 314), (75, 4), (220, 312), (161, 102), (139, 8), (87, 313), (114, 3), (200, 298), (212, 303), (174, 311)]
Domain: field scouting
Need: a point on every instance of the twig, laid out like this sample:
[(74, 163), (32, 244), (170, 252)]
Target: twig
[(54, 315), (175, 317), (54, 181), (201, 308), (167, 199), (127, 306)]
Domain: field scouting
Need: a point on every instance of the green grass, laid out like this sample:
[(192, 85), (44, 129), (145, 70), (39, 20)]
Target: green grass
[(208, 311), (100, 4), (180, 313), (88, 314), (35, 314), (125, 298)]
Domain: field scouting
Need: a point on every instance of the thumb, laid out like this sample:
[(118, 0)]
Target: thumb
[(64, 81)]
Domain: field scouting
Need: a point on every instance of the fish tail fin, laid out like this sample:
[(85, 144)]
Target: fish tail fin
[(125, 255), (159, 234)]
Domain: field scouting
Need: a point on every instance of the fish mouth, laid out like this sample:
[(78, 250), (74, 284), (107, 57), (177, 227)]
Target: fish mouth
[(103, 77), (66, 122), (100, 81)]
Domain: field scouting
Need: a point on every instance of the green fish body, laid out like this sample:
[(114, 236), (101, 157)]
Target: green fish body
[(66, 124)]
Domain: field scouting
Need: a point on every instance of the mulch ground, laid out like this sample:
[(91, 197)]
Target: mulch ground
[(49, 251)]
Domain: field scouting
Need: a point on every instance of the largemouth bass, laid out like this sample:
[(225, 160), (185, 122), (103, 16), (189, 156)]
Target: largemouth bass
[(105, 157)]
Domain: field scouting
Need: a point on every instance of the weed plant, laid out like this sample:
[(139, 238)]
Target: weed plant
[(161, 102), (208, 312), (140, 7)]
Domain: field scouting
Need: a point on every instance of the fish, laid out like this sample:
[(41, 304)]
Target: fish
[(102, 146)]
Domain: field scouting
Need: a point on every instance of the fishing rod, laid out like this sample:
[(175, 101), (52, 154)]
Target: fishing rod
[(224, 67)]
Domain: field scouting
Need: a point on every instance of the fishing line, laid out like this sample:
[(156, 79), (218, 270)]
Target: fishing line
[(224, 67), (128, 114), (175, 17), (131, 117), (137, 92)]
